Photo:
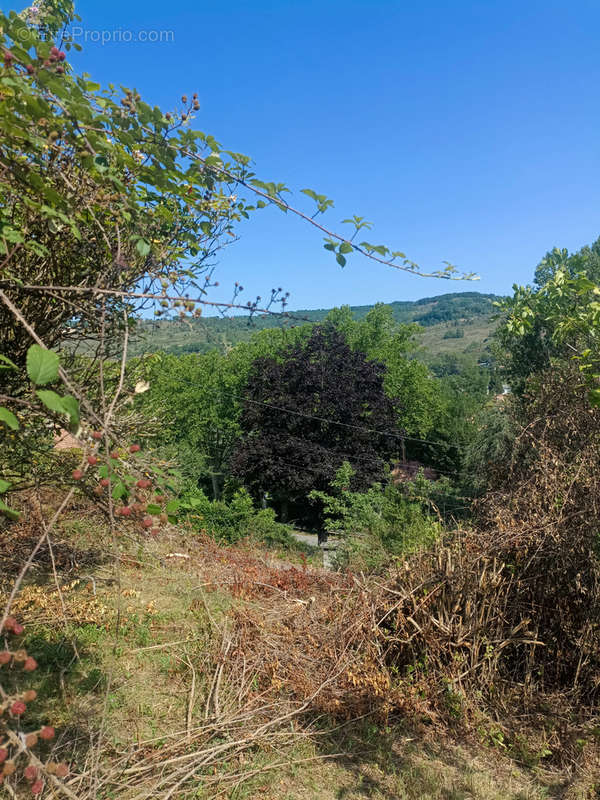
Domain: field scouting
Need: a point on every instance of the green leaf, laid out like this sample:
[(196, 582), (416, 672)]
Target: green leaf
[(9, 512), (119, 491), (142, 246), (4, 486), (346, 247), (6, 363), (42, 365), (101, 162), (103, 471), (340, 260), (9, 419), (172, 507), (52, 401), (71, 407), (594, 397), (153, 509)]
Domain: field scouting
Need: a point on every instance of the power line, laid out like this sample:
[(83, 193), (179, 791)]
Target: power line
[(394, 434), (350, 456)]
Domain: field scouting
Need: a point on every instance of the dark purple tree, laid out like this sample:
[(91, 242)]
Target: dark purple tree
[(305, 412)]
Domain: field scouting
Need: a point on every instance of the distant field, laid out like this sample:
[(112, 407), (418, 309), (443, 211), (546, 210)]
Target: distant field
[(477, 333)]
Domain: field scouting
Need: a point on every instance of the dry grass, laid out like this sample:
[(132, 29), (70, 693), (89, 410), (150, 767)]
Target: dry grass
[(211, 671)]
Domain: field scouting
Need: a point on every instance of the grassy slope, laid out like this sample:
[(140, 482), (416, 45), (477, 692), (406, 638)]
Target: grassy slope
[(155, 678)]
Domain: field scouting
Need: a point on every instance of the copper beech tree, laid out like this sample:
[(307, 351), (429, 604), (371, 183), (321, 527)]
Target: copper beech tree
[(318, 404)]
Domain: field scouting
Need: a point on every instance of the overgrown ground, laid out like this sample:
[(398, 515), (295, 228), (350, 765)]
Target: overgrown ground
[(189, 669)]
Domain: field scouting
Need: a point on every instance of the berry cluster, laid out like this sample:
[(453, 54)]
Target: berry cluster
[(12, 708), (54, 61), (137, 503)]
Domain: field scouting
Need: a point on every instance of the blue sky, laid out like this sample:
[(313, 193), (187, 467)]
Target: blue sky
[(466, 131)]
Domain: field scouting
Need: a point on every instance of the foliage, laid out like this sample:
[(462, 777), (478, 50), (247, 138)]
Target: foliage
[(303, 415), (45, 410), (543, 508), (407, 381), (490, 447), (454, 307), (586, 260), (234, 520), (383, 521), (196, 399), (101, 191), (560, 320), (461, 388)]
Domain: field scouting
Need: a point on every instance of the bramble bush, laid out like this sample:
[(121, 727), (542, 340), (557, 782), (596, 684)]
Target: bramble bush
[(17, 747)]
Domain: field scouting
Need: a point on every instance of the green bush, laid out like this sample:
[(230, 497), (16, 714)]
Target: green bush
[(234, 520), (382, 522)]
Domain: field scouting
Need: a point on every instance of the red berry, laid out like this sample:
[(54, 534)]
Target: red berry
[(30, 664), (30, 69), (47, 732), (17, 629), (37, 787), (60, 70), (154, 532), (10, 623), (77, 474), (147, 522), (92, 460), (18, 708), (30, 772), (104, 482), (54, 50), (96, 435), (62, 770), (141, 484), (114, 454), (3, 754), (8, 56), (135, 448), (125, 511), (5, 657), (62, 55), (30, 695)]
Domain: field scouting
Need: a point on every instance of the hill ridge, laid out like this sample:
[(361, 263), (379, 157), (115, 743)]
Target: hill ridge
[(449, 315)]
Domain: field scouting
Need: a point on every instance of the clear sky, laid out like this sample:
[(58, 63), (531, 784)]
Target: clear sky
[(466, 131)]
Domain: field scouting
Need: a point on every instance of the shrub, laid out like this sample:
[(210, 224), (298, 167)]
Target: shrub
[(384, 521), (232, 521)]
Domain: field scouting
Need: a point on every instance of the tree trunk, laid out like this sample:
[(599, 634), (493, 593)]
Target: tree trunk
[(284, 511), (215, 486)]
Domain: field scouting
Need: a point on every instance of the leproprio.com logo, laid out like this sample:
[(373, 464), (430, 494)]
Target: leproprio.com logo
[(120, 36)]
